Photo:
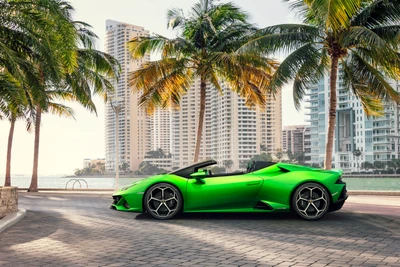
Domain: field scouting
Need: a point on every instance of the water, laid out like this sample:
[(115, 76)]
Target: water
[(381, 184), (62, 182)]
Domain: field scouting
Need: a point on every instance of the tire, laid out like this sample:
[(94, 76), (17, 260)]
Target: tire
[(163, 201), (311, 201)]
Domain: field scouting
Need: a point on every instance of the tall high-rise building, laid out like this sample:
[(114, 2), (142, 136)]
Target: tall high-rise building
[(376, 138), (160, 130), (231, 131), (294, 138), (133, 122)]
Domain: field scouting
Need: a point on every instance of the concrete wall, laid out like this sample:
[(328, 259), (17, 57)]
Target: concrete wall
[(8, 200)]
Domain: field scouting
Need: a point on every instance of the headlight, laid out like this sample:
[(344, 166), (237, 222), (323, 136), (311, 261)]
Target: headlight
[(129, 186), (126, 187)]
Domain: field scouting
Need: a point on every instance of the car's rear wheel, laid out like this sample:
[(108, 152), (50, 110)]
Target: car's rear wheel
[(311, 201), (163, 201)]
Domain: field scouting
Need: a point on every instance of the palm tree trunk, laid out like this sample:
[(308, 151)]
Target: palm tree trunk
[(7, 182), (332, 114), (203, 87), (34, 182)]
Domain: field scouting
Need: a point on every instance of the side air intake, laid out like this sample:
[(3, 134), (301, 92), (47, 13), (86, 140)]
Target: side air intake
[(283, 169), (262, 206)]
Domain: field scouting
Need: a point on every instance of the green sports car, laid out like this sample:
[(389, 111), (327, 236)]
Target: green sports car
[(263, 187)]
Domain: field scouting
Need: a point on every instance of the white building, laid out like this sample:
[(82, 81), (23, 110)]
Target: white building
[(231, 131), (376, 138), (160, 130), (133, 125), (293, 138)]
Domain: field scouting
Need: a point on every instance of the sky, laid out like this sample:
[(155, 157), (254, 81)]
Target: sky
[(65, 142)]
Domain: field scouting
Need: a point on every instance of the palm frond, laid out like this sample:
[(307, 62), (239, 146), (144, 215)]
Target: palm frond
[(215, 81), (390, 34), (366, 77), (371, 104), (283, 38), (378, 13), (331, 14), (309, 74), (305, 65), (86, 35), (142, 45), (176, 18), (161, 83), (248, 75), (61, 110), (366, 38)]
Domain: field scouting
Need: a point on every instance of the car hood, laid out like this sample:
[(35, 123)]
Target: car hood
[(146, 180)]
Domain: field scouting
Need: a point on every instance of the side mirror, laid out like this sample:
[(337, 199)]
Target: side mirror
[(199, 175)]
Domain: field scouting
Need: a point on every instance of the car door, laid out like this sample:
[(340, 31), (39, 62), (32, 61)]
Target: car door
[(222, 192)]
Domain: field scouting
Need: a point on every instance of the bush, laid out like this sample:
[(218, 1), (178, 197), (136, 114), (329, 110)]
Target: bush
[(390, 171)]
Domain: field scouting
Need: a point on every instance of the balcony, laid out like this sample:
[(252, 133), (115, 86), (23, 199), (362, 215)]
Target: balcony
[(384, 126), (384, 142), (383, 118), (311, 119), (312, 92), (385, 151)]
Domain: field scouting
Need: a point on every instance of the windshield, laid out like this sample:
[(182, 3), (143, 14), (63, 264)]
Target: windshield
[(187, 171)]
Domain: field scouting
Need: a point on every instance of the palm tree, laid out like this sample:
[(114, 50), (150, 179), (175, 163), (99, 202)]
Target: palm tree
[(19, 41), (12, 109), (360, 36), (91, 71), (41, 48), (205, 48), (55, 58)]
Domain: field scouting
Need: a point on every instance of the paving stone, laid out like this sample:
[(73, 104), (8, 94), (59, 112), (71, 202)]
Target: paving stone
[(81, 230)]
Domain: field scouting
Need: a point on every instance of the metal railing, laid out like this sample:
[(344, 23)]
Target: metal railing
[(76, 181)]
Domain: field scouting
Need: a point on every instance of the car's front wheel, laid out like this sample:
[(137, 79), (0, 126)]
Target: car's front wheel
[(163, 201), (311, 201)]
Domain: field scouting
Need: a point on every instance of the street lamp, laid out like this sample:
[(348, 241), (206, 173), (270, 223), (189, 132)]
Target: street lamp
[(116, 106)]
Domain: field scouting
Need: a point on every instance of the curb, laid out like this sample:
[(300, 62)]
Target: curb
[(11, 219), (373, 193)]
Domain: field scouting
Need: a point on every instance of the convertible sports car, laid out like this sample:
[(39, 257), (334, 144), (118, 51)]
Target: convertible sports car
[(264, 187)]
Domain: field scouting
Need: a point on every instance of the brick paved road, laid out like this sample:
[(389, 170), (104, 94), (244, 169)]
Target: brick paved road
[(71, 230)]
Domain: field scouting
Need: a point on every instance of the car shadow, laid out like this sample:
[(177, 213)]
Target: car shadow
[(251, 216), (225, 216)]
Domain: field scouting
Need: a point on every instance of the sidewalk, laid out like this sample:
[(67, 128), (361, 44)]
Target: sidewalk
[(80, 230), (385, 200)]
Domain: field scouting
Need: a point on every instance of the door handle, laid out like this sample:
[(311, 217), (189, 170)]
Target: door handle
[(252, 183)]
